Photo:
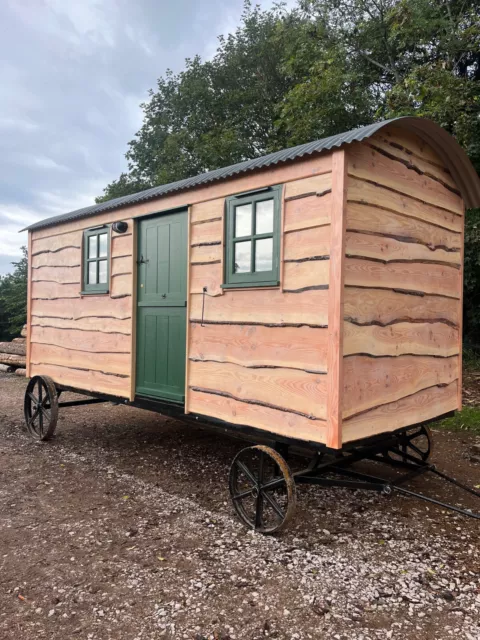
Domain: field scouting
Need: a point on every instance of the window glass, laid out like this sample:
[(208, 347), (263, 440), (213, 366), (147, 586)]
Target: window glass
[(252, 239), (92, 246), (103, 245), (264, 217), (96, 257), (243, 221), (92, 272), (102, 271), (243, 257), (264, 254)]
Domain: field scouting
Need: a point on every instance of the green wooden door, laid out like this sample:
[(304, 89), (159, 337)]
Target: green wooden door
[(161, 315)]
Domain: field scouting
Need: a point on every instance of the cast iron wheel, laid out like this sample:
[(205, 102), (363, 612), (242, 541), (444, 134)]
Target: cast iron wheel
[(262, 488), (41, 408), (416, 442)]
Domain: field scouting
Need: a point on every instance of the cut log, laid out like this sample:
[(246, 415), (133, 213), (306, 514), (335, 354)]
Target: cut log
[(13, 359), (24, 331), (20, 340), (4, 368), (13, 347), (20, 372)]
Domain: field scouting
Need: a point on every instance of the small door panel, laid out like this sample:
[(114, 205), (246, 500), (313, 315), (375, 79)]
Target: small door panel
[(162, 255), (161, 315), (161, 335)]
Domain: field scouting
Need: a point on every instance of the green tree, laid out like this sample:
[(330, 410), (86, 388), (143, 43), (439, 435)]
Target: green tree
[(290, 76), (13, 299), (213, 113)]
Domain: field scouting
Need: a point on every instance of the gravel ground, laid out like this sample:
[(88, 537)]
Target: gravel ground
[(122, 528)]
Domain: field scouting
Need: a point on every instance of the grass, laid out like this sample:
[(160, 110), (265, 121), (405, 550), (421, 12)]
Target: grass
[(466, 420)]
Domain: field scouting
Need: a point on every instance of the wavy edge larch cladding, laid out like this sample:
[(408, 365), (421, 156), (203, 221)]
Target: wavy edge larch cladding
[(81, 341), (363, 335), (403, 286), (258, 357)]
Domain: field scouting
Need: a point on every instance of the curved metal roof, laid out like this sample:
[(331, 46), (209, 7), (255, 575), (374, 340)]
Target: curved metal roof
[(446, 147)]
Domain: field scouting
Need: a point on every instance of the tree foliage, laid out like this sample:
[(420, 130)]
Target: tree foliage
[(13, 299), (290, 76)]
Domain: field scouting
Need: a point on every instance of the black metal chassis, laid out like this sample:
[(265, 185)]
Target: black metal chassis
[(328, 467)]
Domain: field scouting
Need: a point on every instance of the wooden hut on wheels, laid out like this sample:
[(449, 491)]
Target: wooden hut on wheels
[(314, 293)]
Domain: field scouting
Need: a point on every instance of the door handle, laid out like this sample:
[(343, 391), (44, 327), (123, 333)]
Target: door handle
[(164, 295), (142, 260)]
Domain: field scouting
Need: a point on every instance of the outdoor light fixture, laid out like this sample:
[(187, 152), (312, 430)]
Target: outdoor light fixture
[(120, 227)]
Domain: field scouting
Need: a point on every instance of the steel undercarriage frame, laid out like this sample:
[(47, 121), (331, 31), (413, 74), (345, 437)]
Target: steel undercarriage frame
[(260, 474), (317, 471)]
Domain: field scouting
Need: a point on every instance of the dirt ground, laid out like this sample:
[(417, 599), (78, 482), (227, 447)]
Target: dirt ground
[(122, 528)]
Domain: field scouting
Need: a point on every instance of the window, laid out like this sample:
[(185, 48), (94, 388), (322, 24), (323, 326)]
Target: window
[(253, 239), (96, 257)]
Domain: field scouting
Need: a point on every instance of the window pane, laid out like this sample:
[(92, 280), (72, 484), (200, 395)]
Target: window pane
[(264, 255), (243, 253), (264, 217), (243, 221), (92, 271), (92, 246), (102, 271), (102, 247)]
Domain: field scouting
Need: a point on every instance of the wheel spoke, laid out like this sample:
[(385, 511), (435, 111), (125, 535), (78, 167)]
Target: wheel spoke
[(46, 414), (274, 504), (33, 417), (243, 494), (417, 450), (247, 472), (258, 511), (33, 398), (411, 436), (274, 483)]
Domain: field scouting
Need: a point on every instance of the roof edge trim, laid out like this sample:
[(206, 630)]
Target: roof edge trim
[(445, 145)]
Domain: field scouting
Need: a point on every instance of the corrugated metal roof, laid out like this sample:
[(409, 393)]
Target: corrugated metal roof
[(444, 144)]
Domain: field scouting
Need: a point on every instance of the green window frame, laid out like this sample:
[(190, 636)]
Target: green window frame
[(96, 260), (252, 243)]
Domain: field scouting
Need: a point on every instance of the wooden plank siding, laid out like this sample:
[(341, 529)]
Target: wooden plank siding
[(411, 409), (259, 356), (81, 341), (403, 270), (362, 336), (283, 331)]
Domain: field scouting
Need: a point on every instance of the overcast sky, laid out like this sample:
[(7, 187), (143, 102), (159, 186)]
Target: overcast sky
[(72, 76)]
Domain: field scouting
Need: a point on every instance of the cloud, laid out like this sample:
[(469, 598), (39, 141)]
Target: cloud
[(73, 77)]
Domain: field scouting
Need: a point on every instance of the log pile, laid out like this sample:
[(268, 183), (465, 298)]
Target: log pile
[(13, 354)]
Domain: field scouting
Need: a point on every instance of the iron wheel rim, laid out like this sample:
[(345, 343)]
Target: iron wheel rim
[(268, 483), (416, 442)]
